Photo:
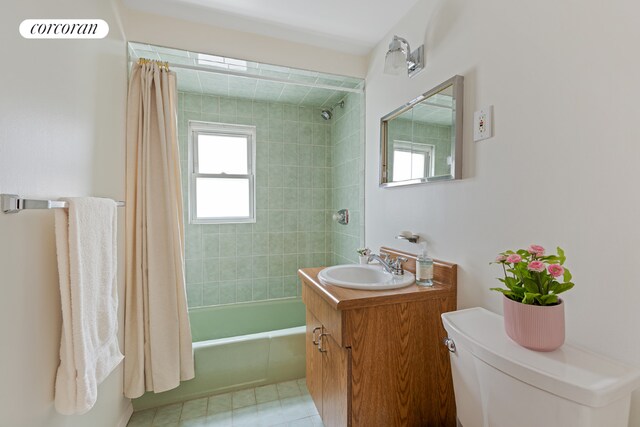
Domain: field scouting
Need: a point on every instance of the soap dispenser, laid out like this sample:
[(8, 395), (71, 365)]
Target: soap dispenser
[(424, 267)]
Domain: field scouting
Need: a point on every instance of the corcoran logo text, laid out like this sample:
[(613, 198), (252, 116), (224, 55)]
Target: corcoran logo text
[(64, 29)]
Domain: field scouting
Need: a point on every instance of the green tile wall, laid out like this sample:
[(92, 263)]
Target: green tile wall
[(424, 133), (298, 181), (347, 180)]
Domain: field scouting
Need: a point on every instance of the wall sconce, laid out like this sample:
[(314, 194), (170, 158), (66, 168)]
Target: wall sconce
[(399, 57)]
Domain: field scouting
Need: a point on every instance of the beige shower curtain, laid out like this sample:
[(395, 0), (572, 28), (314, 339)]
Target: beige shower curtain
[(157, 347)]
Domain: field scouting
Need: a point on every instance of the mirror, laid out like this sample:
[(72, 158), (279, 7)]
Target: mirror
[(421, 141)]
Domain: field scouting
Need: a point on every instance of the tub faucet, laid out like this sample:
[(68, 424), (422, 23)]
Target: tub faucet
[(392, 266)]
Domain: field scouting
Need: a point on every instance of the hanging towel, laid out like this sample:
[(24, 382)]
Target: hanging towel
[(87, 254)]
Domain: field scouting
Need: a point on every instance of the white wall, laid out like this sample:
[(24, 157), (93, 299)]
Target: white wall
[(197, 37), (563, 165), (62, 115)]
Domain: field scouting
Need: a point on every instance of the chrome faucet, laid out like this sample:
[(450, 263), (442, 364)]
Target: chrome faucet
[(392, 266)]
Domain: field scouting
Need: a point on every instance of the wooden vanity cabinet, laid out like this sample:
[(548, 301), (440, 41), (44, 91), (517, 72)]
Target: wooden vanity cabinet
[(376, 358), (314, 360), (327, 368)]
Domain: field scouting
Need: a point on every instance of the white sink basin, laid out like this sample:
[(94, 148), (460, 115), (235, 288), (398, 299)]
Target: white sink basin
[(361, 276)]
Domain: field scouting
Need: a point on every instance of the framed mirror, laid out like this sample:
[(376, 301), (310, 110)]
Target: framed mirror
[(421, 141)]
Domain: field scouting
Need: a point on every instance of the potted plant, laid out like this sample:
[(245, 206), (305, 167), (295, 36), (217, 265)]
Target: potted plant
[(533, 312), (363, 255)]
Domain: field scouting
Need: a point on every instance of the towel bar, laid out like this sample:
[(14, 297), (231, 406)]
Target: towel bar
[(12, 203)]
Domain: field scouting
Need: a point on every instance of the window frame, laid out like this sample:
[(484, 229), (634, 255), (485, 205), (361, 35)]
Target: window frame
[(408, 146), (196, 128)]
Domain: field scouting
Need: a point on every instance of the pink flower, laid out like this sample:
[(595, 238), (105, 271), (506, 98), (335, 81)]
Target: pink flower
[(555, 270), (501, 258), (537, 266), (514, 259), (536, 250)]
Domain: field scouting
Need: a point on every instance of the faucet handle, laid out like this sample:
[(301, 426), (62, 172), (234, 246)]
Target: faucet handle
[(398, 261), (396, 264), (385, 257)]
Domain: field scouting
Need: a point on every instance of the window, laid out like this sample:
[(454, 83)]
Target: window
[(221, 62), (222, 173), (412, 161)]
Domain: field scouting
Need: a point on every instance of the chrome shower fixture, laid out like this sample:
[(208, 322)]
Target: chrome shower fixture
[(328, 113)]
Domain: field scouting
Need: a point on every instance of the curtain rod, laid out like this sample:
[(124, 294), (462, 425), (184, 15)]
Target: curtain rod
[(259, 77), (162, 64)]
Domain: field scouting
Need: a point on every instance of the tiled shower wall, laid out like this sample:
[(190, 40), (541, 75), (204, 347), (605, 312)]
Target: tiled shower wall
[(425, 133), (347, 179), (232, 263)]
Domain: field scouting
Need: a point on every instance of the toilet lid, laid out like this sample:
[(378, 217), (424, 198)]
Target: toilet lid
[(570, 372)]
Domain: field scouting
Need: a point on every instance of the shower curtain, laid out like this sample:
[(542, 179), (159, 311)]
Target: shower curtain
[(158, 352)]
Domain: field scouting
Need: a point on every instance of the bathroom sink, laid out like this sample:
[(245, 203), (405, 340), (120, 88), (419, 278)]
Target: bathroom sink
[(360, 276)]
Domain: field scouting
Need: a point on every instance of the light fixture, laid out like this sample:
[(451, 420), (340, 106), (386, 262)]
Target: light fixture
[(399, 57)]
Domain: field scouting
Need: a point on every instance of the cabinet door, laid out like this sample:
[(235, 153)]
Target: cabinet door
[(314, 360), (336, 384)]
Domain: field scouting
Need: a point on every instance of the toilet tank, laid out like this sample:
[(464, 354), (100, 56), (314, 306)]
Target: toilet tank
[(498, 383)]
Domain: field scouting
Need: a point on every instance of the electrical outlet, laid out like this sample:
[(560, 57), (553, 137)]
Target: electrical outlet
[(483, 123)]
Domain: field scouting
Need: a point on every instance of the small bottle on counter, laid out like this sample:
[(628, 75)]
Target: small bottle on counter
[(424, 267)]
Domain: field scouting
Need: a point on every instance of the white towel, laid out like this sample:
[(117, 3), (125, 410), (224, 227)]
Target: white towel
[(87, 253)]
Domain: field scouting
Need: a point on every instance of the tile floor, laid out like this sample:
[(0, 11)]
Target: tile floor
[(284, 404)]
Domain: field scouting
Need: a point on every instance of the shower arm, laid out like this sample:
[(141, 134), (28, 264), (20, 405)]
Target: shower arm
[(341, 104)]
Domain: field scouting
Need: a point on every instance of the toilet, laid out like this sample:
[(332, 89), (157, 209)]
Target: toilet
[(498, 383)]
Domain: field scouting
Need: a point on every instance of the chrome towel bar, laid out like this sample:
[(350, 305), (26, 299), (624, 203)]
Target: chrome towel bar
[(12, 203)]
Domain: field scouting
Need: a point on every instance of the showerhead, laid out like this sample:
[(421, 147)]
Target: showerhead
[(327, 113)]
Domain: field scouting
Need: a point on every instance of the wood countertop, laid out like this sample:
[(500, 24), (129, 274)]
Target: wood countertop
[(445, 281)]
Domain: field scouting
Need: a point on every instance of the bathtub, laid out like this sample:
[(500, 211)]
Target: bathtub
[(240, 346)]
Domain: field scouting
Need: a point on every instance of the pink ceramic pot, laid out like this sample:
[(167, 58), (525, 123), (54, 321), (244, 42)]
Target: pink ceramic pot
[(539, 328)]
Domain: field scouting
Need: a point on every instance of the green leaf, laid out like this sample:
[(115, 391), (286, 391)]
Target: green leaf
[(511, 282), (520, 271), (531, 286), (563, 287), (529, 298), (561, 256), (548, 299), (544, 278), (507, 293), (567, 275), (518, 291)]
